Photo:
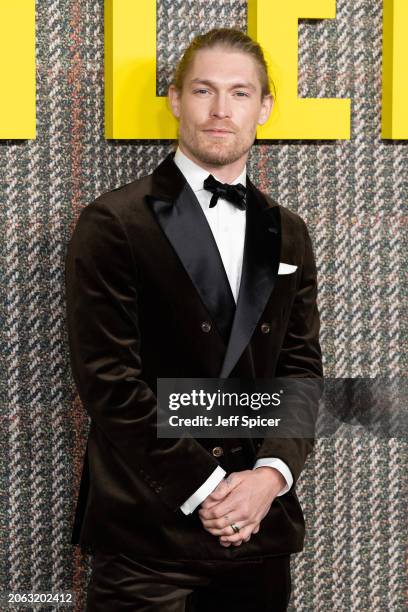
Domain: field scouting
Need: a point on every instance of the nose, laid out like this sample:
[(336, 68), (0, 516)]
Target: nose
[(221, 106)]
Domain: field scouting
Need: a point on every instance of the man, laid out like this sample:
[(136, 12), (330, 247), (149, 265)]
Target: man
[(178, 275)]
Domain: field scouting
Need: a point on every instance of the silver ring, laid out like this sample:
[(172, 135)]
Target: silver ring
[(234, 527)]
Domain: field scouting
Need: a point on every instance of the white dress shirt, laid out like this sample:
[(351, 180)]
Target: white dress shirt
[(227, 223)]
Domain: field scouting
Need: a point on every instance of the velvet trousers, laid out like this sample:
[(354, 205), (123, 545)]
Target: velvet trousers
[(127, 584)]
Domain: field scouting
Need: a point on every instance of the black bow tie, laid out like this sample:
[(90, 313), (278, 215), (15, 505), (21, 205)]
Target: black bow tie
[(233, 193)]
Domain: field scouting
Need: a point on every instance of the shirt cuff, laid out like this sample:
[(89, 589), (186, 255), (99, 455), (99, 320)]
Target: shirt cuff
[(281, 467), (204, 491)]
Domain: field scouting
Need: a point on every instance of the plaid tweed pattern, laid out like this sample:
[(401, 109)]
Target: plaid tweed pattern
[(352, 194)]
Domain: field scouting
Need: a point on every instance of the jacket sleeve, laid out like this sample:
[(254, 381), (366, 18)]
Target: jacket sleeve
[(300, 357), (101, 279)]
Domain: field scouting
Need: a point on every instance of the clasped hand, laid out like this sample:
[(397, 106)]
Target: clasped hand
[(243, 498)]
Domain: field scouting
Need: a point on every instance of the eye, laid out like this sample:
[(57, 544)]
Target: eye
[(200, 91), (242, 94)]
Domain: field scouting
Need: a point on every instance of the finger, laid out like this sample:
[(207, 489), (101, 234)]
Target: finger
[(233, 501), (236, 537), (209, 503), (219, 492), (220, 524), (228, 484), (225, 487), (244, 533), (225, 531), (220, 509)]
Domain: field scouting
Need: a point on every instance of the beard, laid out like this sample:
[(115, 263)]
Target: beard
[(213, 151)]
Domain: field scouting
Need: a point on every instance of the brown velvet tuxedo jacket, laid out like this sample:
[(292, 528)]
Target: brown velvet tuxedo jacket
[(143, 273)]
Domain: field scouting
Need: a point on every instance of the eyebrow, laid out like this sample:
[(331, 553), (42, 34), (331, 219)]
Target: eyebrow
[(212, 84)]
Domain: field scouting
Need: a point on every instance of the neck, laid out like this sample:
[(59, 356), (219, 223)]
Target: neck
[(226, 173)]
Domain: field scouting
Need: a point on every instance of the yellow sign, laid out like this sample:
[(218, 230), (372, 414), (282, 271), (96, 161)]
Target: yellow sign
[(134, 111), (395, 70), (274, 24), (17, 69)]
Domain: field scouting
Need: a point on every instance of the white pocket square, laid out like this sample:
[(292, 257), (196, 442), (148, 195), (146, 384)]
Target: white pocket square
[(286, 268)]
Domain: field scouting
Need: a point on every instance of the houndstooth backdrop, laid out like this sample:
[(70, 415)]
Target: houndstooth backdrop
[(352, 194)]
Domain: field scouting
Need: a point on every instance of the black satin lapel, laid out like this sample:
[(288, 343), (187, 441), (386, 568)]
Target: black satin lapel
[(187, 229), (259, 272)]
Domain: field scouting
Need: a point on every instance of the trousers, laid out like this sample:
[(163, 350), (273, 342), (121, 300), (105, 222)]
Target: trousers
[(126, 584)]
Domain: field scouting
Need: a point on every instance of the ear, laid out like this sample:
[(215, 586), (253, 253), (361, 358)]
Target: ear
[(266, 109), (174, 98)]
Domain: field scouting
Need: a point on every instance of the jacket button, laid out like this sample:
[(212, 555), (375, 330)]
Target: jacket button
[(206, 326), (217, 451), (265, 328)]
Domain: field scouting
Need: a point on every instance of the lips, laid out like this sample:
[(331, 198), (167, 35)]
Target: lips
[(217, 131)]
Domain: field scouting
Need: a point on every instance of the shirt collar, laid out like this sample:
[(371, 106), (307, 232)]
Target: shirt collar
[(196, 175)]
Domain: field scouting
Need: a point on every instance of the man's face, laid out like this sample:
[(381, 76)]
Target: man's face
[(220, 106)]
